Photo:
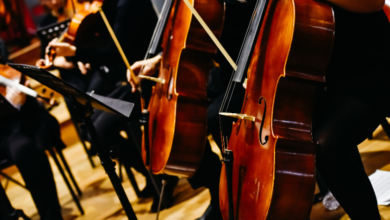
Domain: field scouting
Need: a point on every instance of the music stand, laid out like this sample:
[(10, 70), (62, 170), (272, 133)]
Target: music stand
[(85, 106), (52, 31)]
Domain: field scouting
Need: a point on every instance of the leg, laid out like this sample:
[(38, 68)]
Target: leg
[(338, 129), (35, 169)]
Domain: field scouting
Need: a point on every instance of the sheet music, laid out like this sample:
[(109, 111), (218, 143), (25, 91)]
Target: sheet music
[(380, 180)]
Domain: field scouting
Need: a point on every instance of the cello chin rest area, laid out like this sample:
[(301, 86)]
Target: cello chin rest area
[(239, 116), (152, 79)]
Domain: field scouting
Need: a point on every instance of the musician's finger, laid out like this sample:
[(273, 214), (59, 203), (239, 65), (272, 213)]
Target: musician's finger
[(82, 68), (53, 41), (136, 67)]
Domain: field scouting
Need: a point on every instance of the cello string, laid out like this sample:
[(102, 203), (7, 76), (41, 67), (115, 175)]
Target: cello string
[(239, 55), (164, 12), (231, 88)]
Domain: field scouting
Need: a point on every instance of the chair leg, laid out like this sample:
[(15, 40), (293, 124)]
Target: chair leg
[(12, 180), (120, 171), (75, 199), (78, 130), (133, 181), (65, 163)]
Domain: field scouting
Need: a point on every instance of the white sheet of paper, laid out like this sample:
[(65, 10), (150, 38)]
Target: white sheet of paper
[(380, 180)]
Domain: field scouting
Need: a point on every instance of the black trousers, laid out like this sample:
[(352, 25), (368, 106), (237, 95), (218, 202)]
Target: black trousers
[(208, 173), (108, 127), (342, 122), (34, 166)]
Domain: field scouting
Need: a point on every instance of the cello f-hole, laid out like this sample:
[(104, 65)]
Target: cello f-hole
[(262, 123), (170, 85)]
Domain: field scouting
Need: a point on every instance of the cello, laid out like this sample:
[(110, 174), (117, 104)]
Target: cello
[(82, 30), (269, 158), (176, 133)]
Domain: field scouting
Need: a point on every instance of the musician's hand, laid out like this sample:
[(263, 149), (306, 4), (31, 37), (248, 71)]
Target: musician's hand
[(63, 63), (145, 67), (83, 67), (16, 98), (62, 49)]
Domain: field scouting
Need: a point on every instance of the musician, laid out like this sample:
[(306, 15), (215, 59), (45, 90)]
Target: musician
[(24, 136), (56, 11), (354, 102), (108, 71), (237, 18)]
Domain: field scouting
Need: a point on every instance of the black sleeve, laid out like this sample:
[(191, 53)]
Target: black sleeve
[(130, 18)]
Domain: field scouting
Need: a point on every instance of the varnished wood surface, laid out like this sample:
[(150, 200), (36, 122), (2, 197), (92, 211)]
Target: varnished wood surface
[(178, 108), (281, 96), (100, 202), (99, 199)]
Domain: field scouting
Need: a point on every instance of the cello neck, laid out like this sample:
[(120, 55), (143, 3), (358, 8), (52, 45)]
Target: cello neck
[(158, 31)]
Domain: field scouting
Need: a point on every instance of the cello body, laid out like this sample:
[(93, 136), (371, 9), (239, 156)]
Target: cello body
[(178, 107), (274, 156)]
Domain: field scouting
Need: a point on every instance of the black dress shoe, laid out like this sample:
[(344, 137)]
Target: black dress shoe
[(213, 212)]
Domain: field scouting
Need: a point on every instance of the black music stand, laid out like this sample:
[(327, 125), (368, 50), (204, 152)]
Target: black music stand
[(86, 104)]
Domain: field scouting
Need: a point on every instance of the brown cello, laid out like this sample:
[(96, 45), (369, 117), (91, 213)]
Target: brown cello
[(82, 30), (269, 169), (178, 106)]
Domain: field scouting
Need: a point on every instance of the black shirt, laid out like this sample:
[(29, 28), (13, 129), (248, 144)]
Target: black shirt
[(360, 62), (133, 22)]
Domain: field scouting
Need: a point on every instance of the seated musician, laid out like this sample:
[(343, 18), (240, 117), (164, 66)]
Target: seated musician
[(354, 103), (237, 18), (351, 108), (107, 72), (24, 136)]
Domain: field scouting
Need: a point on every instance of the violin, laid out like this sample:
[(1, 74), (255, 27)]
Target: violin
[(175, 137), (269, 154), (12, 77), (82, 30)]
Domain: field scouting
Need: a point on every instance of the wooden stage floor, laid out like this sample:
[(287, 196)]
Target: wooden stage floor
[(100, 201)]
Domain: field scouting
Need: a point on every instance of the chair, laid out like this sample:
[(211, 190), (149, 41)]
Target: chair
[(7, 211), (55, 150)]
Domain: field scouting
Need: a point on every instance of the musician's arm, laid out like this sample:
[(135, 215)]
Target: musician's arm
[(359, 6)]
